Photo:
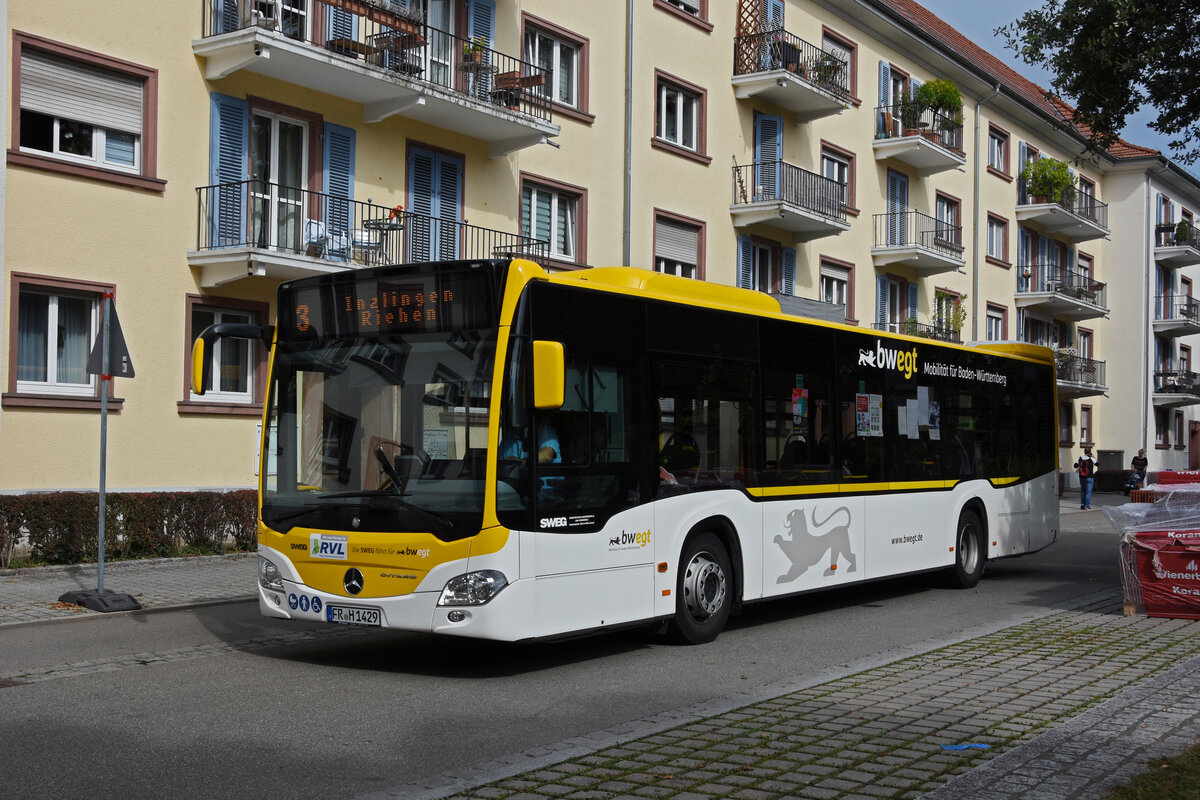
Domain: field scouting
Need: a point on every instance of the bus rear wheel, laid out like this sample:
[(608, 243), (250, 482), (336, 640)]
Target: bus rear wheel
[(703, 590), (969, 552)]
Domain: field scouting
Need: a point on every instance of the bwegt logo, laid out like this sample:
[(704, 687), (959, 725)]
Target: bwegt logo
[(888, 358)]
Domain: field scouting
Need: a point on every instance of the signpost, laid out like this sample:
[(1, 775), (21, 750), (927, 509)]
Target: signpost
[(109, 351)]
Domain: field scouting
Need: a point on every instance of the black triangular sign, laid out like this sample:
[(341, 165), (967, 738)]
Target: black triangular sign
[(119, 363)]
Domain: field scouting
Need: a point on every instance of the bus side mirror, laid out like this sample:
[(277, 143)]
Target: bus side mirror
[(202, 347), (549, 375)]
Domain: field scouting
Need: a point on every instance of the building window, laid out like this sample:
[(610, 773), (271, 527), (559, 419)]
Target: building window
[(689, 7), (84, 113), (1162, 437), (838, 165), (997, 324), (679, 117), (564, 57), (1085, 201), (1179, 437), (237, 368), (1185, 358), (54, 330), (946, 306), (948, 229), (997, 239), (1084, 270), (678, 245), (998, 150), (1066, 418), (1085, 424), (551, 214)]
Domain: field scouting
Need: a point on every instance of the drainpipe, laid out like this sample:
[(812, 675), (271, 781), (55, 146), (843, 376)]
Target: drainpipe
[(4, 112), (626, 214), (975, 233)]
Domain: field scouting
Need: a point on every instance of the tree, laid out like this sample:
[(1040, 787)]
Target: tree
[(1111, 57)]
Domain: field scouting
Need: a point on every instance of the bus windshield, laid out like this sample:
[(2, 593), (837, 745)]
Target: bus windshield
[(376, 424)]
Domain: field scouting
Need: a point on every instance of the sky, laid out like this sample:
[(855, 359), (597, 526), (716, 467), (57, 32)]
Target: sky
[(977, 20)]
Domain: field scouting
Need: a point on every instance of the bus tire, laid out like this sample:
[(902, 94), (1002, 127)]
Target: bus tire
[(703, 590), (969, 552)]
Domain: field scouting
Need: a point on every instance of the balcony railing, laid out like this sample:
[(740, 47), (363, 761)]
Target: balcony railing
[(900, 120), (775, 50), (942, 333), (266, 216), (1176, 380), (1168, 235), (780, 182), (1078, 203), (1078, 369), (392, 43), (914, 229), (1173, 306), (1052, 278)]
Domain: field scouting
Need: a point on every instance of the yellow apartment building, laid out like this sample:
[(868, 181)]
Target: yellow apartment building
[(189, 164)]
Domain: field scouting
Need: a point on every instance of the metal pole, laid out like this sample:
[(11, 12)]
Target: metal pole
[(105, 377)]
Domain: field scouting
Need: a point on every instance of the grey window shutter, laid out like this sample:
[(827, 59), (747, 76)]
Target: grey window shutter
[(71, 90), (676, 242)]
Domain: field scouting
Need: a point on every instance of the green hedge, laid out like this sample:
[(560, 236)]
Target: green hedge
[(63, 527)]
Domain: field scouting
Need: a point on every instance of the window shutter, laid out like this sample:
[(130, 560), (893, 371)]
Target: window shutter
[(912, 301), (59, 87), (420, 193), (339, 176), (881, 296), (789, 270), (228, 148), (676, 242), (913, 85), (448, 179), (340, 24), (1022, 194), (768, 143), (885, 83), (745, 262), (227, 16), (481, 19)]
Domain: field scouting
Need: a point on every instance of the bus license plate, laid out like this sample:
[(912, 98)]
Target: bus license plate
[(352, 615)]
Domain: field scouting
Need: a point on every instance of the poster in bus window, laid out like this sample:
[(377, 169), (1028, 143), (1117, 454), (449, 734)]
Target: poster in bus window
[(799, 406), (868, 412)]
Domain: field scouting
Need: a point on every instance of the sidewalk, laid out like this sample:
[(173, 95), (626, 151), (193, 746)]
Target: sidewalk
[(1069, 704)]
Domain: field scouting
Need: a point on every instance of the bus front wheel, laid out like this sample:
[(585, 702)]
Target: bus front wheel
[(703, 590), (969, 552)]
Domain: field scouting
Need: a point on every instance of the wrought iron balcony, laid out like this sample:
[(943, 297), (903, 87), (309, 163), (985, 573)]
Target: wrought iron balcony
[(790, 72), (1075, 214), (1057, 290), (1079, 376), (384, 59), (786, 196), (1176, 244), (1176, 387), (917, 240), (254, 228), (922, 138), (941, 332), (1176, 315)]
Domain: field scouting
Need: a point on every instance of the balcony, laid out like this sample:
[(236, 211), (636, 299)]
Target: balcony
[(927, 141), (791, 73), (1052, 289), (1078, 216), (1175, 315), (1079, 376), (1176, 387), (1176, 246), (913, 239), (785, 196), (386, 62), (257, 229), (940, 332)]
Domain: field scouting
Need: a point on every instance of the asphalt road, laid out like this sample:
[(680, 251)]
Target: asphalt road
[(220, 702)]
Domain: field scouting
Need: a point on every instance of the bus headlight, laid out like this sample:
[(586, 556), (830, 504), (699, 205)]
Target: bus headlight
[(472, 589), (268, 575)]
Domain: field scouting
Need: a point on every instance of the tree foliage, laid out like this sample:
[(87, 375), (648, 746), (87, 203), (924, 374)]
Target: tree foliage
[(1111, 57)]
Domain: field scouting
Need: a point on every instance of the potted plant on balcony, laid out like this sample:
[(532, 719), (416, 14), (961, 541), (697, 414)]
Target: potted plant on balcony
[(473, 50), (943, 98), (1182, 231), (1048, 180)]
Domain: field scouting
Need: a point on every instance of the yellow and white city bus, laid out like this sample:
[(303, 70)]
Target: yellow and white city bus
[(484, 449)]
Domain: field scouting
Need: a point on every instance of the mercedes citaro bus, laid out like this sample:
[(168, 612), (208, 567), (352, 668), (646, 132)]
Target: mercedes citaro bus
[(484, 449)]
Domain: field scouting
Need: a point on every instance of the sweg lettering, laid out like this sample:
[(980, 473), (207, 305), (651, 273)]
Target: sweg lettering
[(554, 522), (888, 358)]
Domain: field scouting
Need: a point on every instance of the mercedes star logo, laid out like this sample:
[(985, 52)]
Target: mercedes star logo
[(353, 581)]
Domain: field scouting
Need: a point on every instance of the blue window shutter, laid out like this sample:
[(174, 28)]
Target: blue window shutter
[(448, 175), (1022, 194), (885, 83), (913, 85), (789, 270), (745, 262), (228, 150), (340, 24), (912, 301), (775, 14), (420, 194), (339, 177), (227, 16), (768, 146), (481, 20), (881, 296), (435, 191)]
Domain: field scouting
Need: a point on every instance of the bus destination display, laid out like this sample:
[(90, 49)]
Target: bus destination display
[(366, 305)]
